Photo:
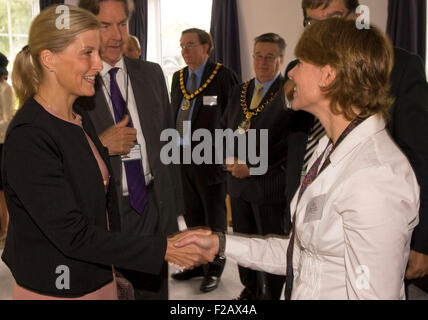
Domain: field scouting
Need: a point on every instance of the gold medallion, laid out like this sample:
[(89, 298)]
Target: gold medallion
[(244, 126), (186, 105)]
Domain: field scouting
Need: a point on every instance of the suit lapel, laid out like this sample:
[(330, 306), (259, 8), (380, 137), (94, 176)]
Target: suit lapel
[(178, 94), (143, 94)]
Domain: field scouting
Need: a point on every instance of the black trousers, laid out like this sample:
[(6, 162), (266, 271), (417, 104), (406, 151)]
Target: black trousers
[(204, 207), (146, 286), (259, 219)]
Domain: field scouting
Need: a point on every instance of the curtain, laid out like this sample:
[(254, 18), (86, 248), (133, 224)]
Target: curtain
[(225, 33), (138, 25), (407, 25), (45, 3)]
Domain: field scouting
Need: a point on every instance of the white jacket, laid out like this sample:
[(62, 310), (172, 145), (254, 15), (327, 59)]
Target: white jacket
[(353, 224)]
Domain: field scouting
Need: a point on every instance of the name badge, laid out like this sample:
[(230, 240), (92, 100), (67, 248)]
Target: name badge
[(134, 154), (210, 101), (314, 209)]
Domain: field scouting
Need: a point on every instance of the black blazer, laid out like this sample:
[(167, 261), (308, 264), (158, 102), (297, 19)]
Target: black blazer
[(206, 117), (57, 205), (407, 125), (151, 97), (270, 187)]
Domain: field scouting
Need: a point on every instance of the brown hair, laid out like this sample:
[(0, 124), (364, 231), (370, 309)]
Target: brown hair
[(204, 38), (272, 38), (351, 5), (362, 59), (27, 69), (94, 6)]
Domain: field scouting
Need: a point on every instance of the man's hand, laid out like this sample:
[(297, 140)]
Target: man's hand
[(188, 255), (237, 169), (417, 266), (119, 139)]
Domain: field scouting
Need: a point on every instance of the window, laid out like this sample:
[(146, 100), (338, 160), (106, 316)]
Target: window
[(166, 20), (15, 20)]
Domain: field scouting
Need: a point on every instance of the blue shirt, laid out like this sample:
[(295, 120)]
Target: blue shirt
[(199, 72), (266, 85)]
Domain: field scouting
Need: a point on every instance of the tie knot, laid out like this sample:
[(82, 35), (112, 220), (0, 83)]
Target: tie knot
[(259, 87), (113, 72)]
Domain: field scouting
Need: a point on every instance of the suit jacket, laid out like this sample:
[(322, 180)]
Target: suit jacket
[(347, 230), (407, 126), (152, 102), (270, 187), (57, 205), (204, 116)]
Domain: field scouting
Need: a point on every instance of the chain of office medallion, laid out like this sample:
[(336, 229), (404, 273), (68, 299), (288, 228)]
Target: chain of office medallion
[(188, 96), (249, 114)]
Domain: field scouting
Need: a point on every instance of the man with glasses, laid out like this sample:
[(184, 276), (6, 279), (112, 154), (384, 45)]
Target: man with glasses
[(199, 96), (258, 201), (407, 126)]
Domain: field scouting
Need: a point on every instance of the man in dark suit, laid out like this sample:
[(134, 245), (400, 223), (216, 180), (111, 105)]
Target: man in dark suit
[(407, 126), (129, 112), (199, 96), (258, 200)]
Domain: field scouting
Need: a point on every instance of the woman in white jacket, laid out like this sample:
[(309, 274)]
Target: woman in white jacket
[(356, 209)]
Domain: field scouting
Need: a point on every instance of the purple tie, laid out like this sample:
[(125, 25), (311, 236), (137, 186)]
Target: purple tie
[(133, 169)]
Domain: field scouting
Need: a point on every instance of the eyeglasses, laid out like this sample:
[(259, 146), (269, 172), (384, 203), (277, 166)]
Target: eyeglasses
[(190, 45), (269, 58), (310, 21)]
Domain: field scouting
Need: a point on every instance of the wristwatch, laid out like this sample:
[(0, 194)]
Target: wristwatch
[(221, 244)]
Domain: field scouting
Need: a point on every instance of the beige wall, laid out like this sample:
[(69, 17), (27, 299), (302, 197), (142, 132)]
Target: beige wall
[(285, 18)]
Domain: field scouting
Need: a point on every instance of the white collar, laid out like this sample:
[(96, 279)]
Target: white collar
[(107, 67)]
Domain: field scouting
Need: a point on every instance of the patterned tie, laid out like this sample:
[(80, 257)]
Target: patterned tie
[(316, 133), (257, 97), (184, 114), (134, 169), (312, 174)]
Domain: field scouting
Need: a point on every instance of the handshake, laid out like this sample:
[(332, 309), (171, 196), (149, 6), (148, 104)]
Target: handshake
[(192, 248)]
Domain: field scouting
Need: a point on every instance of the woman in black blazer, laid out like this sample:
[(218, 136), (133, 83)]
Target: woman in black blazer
[(63, 237)]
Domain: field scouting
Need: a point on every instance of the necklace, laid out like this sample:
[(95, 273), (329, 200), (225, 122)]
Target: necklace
[(249, 114), (189, 97), (51, 109)]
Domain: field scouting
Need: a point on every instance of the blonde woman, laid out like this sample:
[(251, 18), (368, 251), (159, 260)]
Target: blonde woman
[(63, 239)]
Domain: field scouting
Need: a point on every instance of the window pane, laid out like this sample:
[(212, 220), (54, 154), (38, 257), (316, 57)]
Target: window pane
[(177, 16), (3, 17), (21, 11), (4, 45)]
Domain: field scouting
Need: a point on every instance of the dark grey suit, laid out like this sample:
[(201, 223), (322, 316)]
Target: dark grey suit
[(159, 216)]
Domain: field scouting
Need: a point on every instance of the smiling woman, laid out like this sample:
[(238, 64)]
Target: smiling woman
[(64, 216)]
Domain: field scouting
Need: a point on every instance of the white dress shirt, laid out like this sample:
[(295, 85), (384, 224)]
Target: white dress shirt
[(353, 223), (124, 84)]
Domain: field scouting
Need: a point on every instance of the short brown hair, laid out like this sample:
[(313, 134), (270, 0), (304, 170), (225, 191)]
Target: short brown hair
[(351, 5), (204, 38), (94, 6), (272, 38), (362, 59)]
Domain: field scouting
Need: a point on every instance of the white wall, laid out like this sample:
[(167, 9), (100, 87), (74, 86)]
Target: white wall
[(285, 18)]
